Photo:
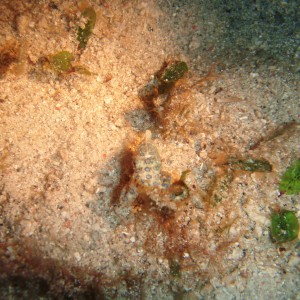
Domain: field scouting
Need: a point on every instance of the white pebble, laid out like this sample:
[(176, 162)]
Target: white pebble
[(108, 99), (77, 256)]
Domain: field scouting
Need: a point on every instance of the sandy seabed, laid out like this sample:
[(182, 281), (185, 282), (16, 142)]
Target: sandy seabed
[(75, 222)]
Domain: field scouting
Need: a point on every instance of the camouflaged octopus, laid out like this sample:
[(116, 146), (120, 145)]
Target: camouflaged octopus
[(148, 166), (148, 179)]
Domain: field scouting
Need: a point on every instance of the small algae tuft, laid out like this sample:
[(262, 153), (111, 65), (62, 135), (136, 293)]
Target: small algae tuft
[(250, 165), (284, 226), (222, 187), (62, 62), (83, 34), (290, 180), (163, 80), (175, 269), (170, 75), (174, 72), (156, 94)]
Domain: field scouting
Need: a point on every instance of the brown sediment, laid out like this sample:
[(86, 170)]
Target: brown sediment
[(127, 170), (286, 128), (9, 54)]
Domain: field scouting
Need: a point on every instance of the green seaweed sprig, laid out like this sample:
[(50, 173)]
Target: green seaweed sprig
[(284, 226), (175, 268), (62, 61), (163, 80), (83, 34), (290, 180), (250, 165)]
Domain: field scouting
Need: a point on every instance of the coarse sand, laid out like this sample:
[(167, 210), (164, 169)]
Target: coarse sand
[(76, 219)]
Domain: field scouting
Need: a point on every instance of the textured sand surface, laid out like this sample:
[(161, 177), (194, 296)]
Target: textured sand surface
[(76, 222)]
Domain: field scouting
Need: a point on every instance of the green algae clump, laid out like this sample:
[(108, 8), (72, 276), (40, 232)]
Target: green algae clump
[(62, 62), (175, 268), (290, 180), (250, 165), (170, 75), (284, 226), (163, 80), (83, 34), (174, 72)]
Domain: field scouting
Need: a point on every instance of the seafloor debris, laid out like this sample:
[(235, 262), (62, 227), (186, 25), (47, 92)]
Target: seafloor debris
[(166, 210), (83, 34), (290, 180), (284, 226)]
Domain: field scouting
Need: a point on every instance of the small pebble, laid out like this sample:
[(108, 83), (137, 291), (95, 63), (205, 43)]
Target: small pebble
[(77, 256), (108, 99)]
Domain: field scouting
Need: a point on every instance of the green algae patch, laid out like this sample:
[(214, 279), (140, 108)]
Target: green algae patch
[(284, 226), (290, 180), (222, 187), (164, 79), (82, 70), (174, 71), (175, 268), (250, 165), (83, 34), (170, 75), (62, 62)]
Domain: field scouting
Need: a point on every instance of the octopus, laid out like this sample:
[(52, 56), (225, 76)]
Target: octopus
[(149, 181), (148, 172)]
